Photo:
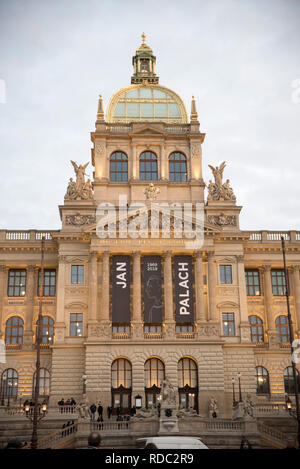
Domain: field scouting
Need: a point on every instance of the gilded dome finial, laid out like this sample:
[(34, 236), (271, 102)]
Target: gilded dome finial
[(144, 39)]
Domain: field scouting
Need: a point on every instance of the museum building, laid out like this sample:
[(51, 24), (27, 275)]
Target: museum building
[(121, 313)]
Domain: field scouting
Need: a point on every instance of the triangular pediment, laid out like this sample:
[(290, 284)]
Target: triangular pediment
[(208, 228), (147, 129)]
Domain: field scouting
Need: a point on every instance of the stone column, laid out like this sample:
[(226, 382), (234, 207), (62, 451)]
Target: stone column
[(105, 288), (93, 271), (164, 165), (200, 311), (137, 320), (3, 293), (268, 300), (296, 280), (135, 166), (60, 325), (212, 282), (244, 323), (31, 292)]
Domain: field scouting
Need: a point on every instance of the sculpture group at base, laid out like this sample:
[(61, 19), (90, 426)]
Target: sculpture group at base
[(218, 190), (80, 189)]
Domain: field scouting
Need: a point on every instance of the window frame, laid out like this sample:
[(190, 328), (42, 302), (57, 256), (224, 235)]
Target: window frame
[(77, 275), (77, 324), (10, 327), (47, 284), (14, 379), (152, 161), (15, 285), (183, 174), (288, 380), (113, 167), (229, 321), (252, 287), (277, 286), (127, 373), (46, 327), (262, 372), (279, 326), (225, 268), (43, 379), (258, 324), (154, 372)]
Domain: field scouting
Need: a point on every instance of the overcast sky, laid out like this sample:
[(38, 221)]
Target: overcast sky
[(240, 58)]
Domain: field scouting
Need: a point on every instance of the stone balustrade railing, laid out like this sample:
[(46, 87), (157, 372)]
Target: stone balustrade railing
[(67, 409), (269, 409), (272, 236), (110, 426), (25, 235)]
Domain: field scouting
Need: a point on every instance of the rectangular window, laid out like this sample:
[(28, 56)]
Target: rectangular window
[(278, 282), (225, 274), (76, 324), (228, 324), (77, 274), (252, 282), (49, 282), (17, 282)]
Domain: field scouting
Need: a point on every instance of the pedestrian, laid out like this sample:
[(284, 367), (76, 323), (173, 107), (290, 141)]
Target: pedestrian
[(100, 412), (245, 444), (109, 412), (93, 409), (73, 402), (68, 402), (94, 441), (61, 402), (290, 443)]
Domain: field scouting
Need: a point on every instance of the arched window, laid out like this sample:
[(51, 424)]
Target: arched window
[(121, 386), (14, 330), (154, 375), (148, 166), (288, 377), (44, 382), (188, 383), (262, 380), (282, 328), (47, 331), (9, 384), (257, 329), (118, 167), (121, 373), (177, 167)]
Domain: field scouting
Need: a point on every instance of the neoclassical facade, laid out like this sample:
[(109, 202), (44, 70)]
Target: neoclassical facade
[(120, 312)]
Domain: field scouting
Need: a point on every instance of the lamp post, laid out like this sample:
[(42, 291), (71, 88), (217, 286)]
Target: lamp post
[(83, 384), (291, 338), (36, 410), (233, 392), (240, 389)]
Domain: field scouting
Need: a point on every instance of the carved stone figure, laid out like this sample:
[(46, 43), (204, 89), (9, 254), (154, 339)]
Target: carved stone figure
[(248, 407), (82, 409), (80, 189), (151, 191), (218, 190), (212, 407), (144, 413), (187, 413), (168, 394)]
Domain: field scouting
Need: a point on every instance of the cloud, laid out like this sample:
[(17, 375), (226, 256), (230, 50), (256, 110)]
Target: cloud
[(238, 58)]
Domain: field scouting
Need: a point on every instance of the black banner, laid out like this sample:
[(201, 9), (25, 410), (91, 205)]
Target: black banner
[(184, 294), (120, 282), (152, 290)]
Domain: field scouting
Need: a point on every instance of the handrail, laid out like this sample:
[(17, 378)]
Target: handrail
[(58, 435), (271, 432)]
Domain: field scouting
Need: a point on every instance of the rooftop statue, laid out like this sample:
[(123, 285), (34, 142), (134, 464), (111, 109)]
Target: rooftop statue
[(219, 190), (80, 189)]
